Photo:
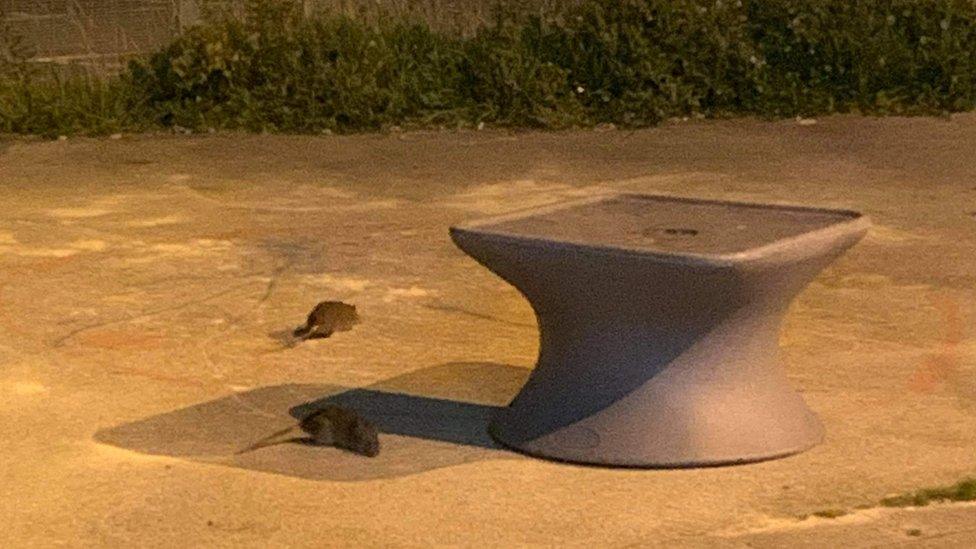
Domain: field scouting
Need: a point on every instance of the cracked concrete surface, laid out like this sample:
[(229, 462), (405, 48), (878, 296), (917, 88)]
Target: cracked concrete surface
[(145, 284)]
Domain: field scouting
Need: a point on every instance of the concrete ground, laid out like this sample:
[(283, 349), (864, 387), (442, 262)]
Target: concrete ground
[(146, 284)]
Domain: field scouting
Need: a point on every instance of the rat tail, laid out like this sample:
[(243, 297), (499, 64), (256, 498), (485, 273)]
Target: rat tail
[(267, 441)]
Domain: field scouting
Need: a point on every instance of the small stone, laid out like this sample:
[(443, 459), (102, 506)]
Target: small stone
[(62, 138), (481, 126), (806, 121), (115, 136)]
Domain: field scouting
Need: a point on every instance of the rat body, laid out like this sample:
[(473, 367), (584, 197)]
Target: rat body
[(329, 426), (327, 318)]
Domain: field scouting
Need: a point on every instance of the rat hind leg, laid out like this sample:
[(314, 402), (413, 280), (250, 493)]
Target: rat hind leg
[(319, 333)]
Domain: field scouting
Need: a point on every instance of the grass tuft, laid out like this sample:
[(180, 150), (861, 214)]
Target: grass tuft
[(964, 490), (830, 513)]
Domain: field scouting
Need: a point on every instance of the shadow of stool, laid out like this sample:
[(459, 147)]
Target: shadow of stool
[(417, 432)]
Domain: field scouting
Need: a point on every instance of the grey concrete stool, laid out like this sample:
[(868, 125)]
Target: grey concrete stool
[(658, 321)]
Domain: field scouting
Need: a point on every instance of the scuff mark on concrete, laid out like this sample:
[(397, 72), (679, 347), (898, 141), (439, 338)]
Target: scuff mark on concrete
[(156, 221), (78, 213), (337, 282), (394, 294), (494, 198), (60, 341)]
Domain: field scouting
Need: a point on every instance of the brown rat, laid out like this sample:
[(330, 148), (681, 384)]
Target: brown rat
[(326, 318), (330, 426)]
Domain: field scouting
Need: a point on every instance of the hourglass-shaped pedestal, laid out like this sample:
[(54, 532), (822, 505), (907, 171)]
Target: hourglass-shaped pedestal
[(658, 320)]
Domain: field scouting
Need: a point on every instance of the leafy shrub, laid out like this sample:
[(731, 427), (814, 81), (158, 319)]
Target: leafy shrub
[(881, 56), (44, 101), (274, 70), (511, 79), (630, 62), (636, 62)]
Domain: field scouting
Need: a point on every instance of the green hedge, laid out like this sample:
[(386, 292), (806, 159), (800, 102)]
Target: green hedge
[(630, 62)]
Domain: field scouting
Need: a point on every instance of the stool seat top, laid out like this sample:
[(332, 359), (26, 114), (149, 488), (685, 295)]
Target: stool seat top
[(664, 224)]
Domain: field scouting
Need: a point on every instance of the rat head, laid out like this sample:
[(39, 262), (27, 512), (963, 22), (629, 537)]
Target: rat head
[(365, 439), (346, 312)]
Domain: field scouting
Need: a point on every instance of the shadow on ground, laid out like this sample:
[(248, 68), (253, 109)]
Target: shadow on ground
[(418, 432)]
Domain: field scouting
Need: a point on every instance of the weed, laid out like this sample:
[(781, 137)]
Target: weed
[(830, 513), (964, 490)]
